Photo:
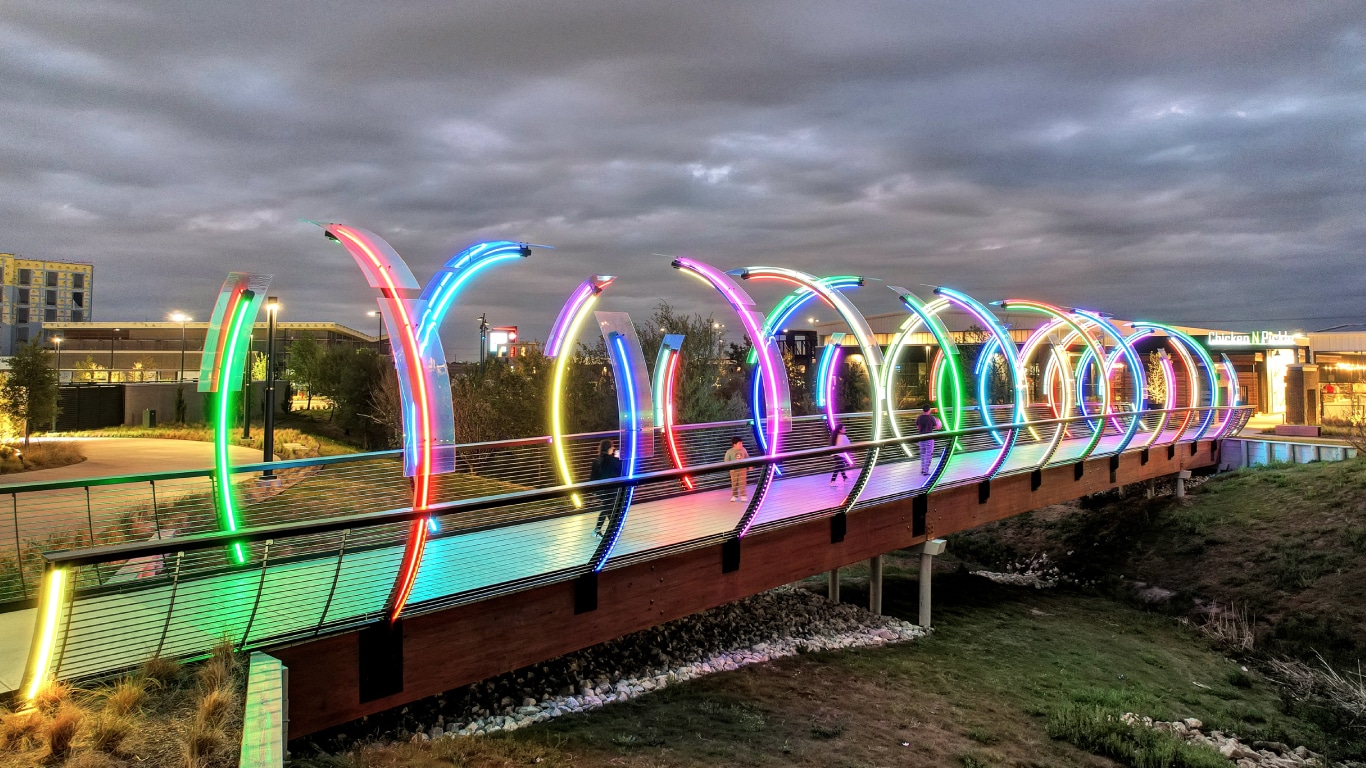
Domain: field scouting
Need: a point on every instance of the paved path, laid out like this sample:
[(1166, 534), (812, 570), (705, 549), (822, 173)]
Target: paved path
[(105, 456)]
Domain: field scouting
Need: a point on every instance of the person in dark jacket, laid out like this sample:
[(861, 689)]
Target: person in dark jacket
[(841, 460), (605, 467), (925, 424)]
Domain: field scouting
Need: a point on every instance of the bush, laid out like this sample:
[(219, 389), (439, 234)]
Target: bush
[(1100, 731)]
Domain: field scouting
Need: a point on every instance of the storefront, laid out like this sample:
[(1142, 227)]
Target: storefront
[(1341, 357), (1261, 359)]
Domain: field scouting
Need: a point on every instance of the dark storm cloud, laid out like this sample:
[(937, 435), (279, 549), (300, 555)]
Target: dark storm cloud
[(1192, 161)]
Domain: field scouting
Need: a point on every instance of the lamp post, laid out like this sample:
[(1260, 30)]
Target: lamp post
[(246, 393), (112, 336), (57, 342), (483, 337), (182, 318), (268, 445), (379, 332)]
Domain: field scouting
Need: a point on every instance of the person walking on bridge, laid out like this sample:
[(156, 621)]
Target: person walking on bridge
[(605, 467), (738, 480), (925, 424), (842, 460)]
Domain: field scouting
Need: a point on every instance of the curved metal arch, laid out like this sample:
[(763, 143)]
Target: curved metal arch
[(567, 326), (1057, 362), (948, 361), (1058, 314), (863, 334), (227, 344), (777, 398), (1137, 372), (1007, 346), (663, 387), (1211, 374)]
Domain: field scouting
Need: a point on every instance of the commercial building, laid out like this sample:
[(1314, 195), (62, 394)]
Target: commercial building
[(1340, 356), (169, 351), (36, 292)]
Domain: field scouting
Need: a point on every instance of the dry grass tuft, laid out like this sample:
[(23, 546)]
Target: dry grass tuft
[(52, 695), (214, 707), (1231, 627), (1344, 692), (43, 454), (19, 730), (126, 696), (160, 669), (110, 731), (62, 730), (218, 670), (92, 760), (200, 742)]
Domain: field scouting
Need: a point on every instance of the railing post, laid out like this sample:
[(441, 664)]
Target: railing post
[(156, 513), (175, 585), (336, 575), (18, 546), (90, 526), (260, 587)]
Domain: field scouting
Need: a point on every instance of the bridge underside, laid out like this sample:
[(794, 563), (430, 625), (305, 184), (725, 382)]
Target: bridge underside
[(339, 678)]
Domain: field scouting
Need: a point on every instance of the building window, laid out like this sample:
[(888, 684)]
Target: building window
[(51, 279), (23, 295), (25, 277), (77, 316), (78, 280), (51, 298), (21, 334), (49, 315), (78, 299), (21, 316)]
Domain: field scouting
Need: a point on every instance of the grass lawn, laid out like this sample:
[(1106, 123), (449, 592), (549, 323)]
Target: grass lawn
[(981, 691)]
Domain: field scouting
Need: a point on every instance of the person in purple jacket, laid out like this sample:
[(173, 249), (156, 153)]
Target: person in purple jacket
[(925, 424)]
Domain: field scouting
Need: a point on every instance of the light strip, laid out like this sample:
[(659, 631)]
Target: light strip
[(623, 366), (946, 360), (45, 644), (666, 376), (231, 362), (566, 328), (1138, 374), (1210, 371), (1007, 346)]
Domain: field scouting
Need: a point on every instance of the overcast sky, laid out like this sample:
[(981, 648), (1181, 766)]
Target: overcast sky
[(1192, 161)]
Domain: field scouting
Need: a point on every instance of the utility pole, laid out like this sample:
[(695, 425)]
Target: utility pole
[(246, 395)]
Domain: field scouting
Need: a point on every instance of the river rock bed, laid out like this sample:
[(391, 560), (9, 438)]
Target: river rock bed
[(1263, 754), (783, 622)]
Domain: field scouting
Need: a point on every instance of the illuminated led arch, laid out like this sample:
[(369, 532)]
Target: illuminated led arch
[(1057, 367), (635, 426), (220, 372), (1137, 372), (1007, 346), (414, 323), (863, 334), (776, 322), (946, 362), (558, 348), (1078, 331), (1211, 373), (664, 384), (777, 398)]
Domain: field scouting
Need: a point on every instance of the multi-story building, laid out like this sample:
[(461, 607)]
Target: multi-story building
[(37, 291)]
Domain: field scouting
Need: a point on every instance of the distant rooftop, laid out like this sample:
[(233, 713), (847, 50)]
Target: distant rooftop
[(1344, 328), (49, 261)]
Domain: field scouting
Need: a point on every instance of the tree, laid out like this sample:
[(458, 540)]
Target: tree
[(1157, 379), (303, 356), (86, 370), (29, 393), (259, 366), (144, 369), (707, 377), (349, 377)]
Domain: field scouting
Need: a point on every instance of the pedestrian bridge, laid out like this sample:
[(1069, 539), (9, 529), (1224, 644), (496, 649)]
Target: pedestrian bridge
[(380, 578), (506, 533)]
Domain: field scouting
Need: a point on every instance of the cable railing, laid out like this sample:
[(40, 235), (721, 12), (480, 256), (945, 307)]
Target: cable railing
[(107, 608)]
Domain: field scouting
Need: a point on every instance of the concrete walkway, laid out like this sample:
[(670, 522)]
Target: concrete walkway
[(106, 456)]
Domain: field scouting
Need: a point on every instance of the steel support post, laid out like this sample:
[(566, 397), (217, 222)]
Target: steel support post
[(875, 585), (833, 585)]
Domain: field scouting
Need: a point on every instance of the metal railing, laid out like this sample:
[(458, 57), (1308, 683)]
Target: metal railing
[(106, 608)]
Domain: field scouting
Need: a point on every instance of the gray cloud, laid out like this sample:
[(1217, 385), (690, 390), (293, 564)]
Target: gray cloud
[(1191, 161)]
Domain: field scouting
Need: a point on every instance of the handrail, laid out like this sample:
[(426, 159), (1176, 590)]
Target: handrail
[(196, 542)]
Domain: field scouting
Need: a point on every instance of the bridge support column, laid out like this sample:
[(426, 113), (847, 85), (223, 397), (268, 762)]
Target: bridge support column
[(1181, 478), (833, 585), (875, 585), (1149, 489), (927, 552)]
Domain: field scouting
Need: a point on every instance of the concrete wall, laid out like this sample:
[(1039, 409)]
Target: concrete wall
[(1246, 452), (160, 397)]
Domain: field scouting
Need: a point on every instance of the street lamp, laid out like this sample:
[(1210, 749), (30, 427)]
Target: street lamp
[(483, 337), (182, 318), (57, 341), (268, 446), (379, 334), (112, 336)]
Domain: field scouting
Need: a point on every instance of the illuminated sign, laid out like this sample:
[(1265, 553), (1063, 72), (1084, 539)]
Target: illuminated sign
[(1251, 339), (502, 341)]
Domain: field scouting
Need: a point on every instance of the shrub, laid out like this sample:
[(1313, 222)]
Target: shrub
[(61, 731), (1100, 731)]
